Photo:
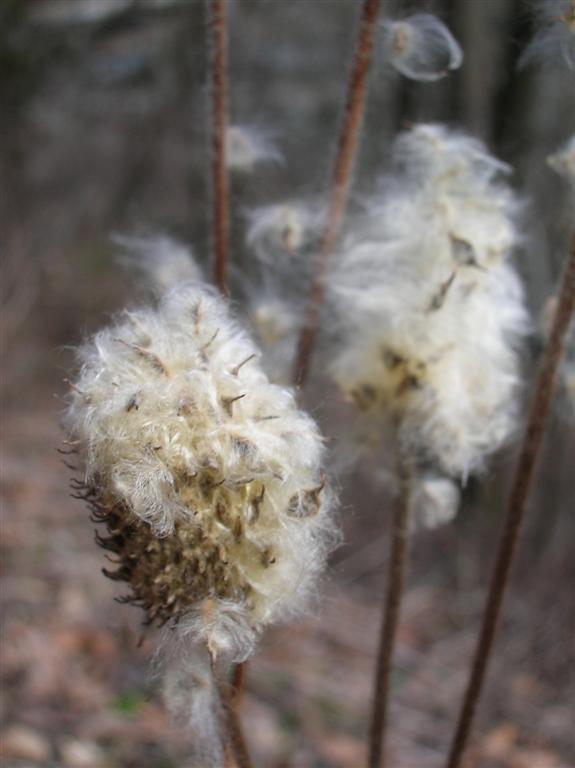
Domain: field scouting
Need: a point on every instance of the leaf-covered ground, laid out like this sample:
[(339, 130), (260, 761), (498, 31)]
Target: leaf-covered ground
[(77, 690)]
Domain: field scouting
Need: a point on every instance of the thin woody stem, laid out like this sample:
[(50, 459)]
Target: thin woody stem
[(236, 697), (396, 579), (234, 732), (238, 681), (217, 31), (522, 483), (346, 152)]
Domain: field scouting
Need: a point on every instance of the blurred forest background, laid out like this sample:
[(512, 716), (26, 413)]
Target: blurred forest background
[(103, 130)]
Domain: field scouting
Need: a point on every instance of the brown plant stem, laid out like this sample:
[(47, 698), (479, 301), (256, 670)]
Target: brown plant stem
[(238, 680), (396, 578), (346, 152), (233, 728), (522, 483), (217, 32)]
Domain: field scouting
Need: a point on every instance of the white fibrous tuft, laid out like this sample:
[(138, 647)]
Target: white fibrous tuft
[(208, 477), (554, 40), (432, 311), (434, 152), (421, 47), (283, 237), (248, 146), (191, 697), (434, 500), (563, 161), (280, 230), (274, 321), (164, 262), (275, 326)]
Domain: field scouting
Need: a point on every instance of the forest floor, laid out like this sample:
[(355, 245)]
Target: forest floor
[(76, 685)]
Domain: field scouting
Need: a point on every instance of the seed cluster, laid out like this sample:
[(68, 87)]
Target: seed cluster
[(207, 477), (431, 310)]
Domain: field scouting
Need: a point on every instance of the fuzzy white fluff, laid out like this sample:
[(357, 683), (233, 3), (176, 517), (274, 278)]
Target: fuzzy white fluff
[(434, 500), (563, 161), (421, 47), (249, 146), (163, 262), (192, 700), (283, 237), (432, 311), (281, 229), (554, 40), (170, 401)]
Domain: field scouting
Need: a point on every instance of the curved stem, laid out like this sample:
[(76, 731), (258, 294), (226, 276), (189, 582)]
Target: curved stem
[(522, 483), (390, 620), (217, 32), (346, 152)]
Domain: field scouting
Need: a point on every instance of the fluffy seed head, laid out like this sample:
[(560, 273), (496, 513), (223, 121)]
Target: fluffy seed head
[(421, 47), (207, 476), (432, 312)]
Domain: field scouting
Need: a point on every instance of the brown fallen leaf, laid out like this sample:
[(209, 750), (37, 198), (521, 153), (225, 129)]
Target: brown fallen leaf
[(500, 741), (23, 743)]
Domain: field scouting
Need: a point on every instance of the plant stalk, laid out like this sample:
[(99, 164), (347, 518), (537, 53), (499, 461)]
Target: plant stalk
[(218, 65), (522, 483), (396, 580), (238, 681), (235, 738), (346, 153)]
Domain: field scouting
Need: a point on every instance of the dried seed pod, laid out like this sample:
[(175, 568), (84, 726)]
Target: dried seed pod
[(192, 479), (432, 311)]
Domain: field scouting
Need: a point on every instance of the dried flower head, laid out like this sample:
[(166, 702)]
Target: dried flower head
[(248, 146), (207, 477), (431, 310), (421, 47), (554, 40)]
